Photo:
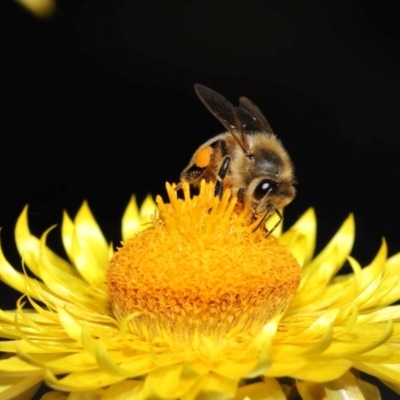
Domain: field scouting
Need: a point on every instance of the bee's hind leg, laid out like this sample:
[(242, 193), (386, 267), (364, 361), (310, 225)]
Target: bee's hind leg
[(177, 186), (219, 185)]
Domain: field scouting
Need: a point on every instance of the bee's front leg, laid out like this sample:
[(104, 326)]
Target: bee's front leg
[(277, 224)]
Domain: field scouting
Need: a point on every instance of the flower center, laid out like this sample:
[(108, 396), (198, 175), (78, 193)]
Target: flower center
[(201, 271)]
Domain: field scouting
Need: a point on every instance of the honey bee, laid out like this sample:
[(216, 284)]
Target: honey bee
[(248, 158)]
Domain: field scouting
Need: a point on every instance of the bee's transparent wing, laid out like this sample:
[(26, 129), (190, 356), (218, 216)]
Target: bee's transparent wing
[(225, 112), (251, 117)]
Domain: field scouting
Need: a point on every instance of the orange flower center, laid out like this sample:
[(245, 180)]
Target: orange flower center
[(201, 271)]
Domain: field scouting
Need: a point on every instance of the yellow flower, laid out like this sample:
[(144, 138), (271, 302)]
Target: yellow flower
[(39, 8), (198, 306)]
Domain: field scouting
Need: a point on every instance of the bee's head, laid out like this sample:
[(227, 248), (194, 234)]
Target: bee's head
[(269, 194)]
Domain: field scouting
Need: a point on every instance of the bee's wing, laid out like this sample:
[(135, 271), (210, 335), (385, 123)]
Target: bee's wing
[(225, 112), (251, 117)]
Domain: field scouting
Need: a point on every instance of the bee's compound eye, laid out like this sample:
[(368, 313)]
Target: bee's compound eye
[(263, 188)]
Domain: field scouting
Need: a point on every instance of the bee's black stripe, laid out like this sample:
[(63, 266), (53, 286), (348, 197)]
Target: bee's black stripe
[(222, 145)]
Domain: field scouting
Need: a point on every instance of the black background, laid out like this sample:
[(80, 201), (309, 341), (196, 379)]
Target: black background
[(325, 73)]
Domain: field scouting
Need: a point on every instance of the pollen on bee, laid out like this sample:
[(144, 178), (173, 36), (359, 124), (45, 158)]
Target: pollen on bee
[(203, 156)]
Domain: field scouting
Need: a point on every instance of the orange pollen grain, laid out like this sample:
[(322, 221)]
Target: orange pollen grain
[(203, 156), (200, 270)]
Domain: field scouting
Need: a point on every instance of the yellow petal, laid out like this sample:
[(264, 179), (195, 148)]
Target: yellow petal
[(82, 381), (213, 387), (130, 219), (124, 390), (392, 265), (29, 248), (374, 270), (39, 8), (67, 233), (168, 383), (107, 363), (385, 372), (385, 314), (74, 362), (19, 388), (235, 369), (347, 388), (305, 227), (267, 390), (53, 395), (139, 365), (368, 390), (310, 390), (147, 209), (297, 243), (18, 281), (89, 234), (314, 370), (86, 263), (13, 365), (90, 395), (55, 278), (339, 248), (70, 324)]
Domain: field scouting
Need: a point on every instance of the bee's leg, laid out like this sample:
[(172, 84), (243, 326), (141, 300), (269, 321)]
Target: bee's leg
[(219, 186), (277, 224), (240, 195), (262, 221), (201, 162), (191, 174), (222, 147)]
